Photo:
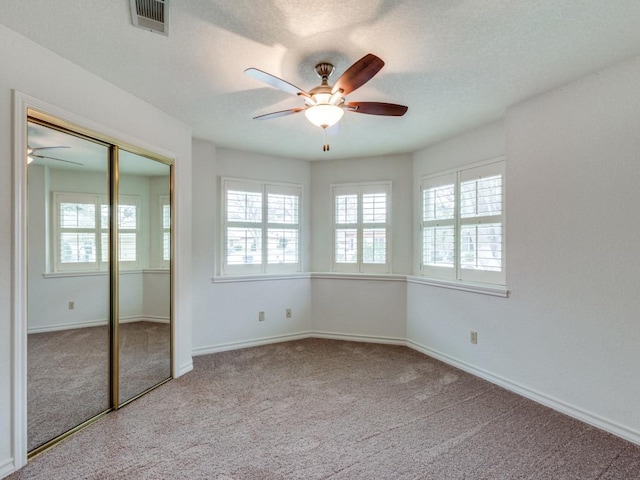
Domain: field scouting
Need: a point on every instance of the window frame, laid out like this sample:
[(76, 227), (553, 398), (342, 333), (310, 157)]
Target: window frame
[(265, 189), (360, 226), (457, 177)]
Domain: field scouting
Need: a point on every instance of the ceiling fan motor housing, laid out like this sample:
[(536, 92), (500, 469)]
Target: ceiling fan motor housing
[(323, 94)]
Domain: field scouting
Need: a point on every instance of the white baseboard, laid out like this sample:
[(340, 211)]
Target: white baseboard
[(296, 336), (145, 318), (66, 326), (7, 467), (96, 323), (184, 368), (541, 398), (223, 347), (349, 337)]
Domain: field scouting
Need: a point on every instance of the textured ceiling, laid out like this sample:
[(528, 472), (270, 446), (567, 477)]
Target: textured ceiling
[(457, 64)]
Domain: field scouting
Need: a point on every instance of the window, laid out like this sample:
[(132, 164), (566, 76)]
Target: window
[(361, 227), (165, 212), (463, 224), (128, 231), (261, 227), (82, 230)]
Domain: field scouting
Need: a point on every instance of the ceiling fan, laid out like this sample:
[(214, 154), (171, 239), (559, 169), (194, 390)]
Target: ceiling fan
[(33, 153), (324, 105)]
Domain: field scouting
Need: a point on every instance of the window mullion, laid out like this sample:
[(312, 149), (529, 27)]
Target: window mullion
[(359, 234), (244, 224), (97, 231), (481, 220), (457, 225), (283, 226), (265, 229)]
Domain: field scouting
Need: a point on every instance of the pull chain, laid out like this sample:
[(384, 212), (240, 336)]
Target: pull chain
[(325, 147)]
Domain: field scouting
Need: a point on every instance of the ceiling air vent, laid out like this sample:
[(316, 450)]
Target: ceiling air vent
[(152, 15)]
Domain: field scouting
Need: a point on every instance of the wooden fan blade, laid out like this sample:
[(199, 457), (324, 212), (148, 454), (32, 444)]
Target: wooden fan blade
[(281, 113), (358, 74), (275, 82), (377, 108), (57, 159)]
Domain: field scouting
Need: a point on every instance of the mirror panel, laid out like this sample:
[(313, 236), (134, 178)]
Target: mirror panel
[(144, 225), (67, 282)]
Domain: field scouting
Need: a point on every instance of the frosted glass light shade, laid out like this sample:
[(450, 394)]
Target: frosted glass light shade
[(324, 116)]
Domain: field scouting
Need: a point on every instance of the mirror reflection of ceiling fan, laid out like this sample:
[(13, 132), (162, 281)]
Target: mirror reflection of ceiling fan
[(324, 105), (34, 152)]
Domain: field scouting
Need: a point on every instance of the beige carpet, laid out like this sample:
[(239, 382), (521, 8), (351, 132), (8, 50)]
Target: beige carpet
[(318, 409)]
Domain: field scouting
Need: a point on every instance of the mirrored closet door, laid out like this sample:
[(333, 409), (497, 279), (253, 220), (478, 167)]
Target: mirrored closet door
[(67, 283), (144, 217), (99, 282)]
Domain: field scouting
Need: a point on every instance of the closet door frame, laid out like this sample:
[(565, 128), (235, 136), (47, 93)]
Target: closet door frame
[(25, 107)]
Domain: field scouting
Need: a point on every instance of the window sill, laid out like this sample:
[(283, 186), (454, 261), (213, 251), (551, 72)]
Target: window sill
[(494, 290), (98, 273), (485, 289), (387, 277), (259, 277)]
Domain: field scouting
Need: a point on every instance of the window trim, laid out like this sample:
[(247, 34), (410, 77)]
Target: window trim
[(457, 274), (265, 188), (360, 189)]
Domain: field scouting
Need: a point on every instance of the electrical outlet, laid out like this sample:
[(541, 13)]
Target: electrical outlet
[(288, 313), (72, 305), (474, 337), (261, 316)]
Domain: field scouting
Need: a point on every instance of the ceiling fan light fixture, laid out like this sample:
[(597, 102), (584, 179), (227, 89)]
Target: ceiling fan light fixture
[(324, 115)]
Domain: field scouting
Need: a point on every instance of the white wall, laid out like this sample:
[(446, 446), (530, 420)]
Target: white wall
[(225, 314), (365, 309), (373, 310), (86, 96), (568, 334)]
